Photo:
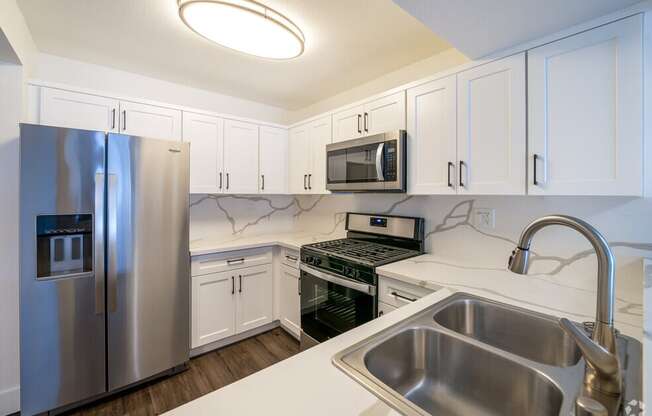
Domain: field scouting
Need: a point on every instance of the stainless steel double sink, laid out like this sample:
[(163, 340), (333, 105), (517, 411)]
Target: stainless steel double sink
[(468, 355)]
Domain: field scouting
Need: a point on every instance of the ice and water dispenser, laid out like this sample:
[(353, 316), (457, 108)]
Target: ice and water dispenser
[(64, 245)]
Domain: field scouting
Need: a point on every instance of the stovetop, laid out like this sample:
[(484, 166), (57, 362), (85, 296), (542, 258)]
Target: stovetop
[(360, 251)]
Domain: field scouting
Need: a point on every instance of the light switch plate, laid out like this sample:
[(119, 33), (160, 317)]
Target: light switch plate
[(484, 218)]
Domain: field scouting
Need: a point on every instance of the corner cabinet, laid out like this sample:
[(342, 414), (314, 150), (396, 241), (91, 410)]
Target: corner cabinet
[(373, 117), (586, 112), (491, 128), (307, 156)]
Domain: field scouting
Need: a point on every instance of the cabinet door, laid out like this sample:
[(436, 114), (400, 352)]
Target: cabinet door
[(289, 300), (432, 137), (62, 108), (347, 124), (585, 112), (299, 154), (384, 309), (384, 114), (320, 134), (240, 157), (213, 307), (491, 128), (145, 120), (273, 153), (255, 299), (204, 133)]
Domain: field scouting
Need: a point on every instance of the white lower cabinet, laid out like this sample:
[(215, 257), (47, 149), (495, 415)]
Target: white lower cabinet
[(213, 306), (289, 302), (254, 301), (231, 301), (384, 309)]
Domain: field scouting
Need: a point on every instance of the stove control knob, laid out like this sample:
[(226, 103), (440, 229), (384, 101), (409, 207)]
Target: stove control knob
[(317, 261), (310, 259)]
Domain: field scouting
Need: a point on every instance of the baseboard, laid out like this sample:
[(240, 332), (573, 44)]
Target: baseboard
[(10, 401), (231, 340)]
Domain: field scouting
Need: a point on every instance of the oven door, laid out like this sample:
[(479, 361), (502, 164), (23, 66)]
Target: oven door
[(331, 304), (373, 163)]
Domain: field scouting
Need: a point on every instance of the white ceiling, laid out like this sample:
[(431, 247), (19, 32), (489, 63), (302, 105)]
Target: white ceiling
[(480, 27), (347, 42)]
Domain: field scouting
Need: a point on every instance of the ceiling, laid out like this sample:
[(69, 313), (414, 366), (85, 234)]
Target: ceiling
[(347, 43), (480, 27)]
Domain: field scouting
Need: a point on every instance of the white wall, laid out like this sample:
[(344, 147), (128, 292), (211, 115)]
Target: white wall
[(421, 69), (83, 75)]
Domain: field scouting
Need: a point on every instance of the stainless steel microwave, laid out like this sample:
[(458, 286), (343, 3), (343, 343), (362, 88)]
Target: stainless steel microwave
[(369, 164)]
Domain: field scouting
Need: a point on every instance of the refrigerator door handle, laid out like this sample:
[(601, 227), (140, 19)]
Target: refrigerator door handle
[(112, 230), (98, 243)]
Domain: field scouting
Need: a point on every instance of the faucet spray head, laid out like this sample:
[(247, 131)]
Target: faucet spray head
[(519, 260)]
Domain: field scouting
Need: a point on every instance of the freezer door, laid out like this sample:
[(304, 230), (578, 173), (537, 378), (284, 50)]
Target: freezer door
[(148, 260), (62, 315)]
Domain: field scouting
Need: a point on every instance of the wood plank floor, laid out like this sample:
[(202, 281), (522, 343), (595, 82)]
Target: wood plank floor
[(206, 373)]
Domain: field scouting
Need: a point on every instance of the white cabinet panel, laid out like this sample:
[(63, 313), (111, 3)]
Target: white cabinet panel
[(213, 306), (63, 108), (491, 128), (299, 155), (432, 137), (347, 124), (384, 309), (384, 114), (290, 315), (240, 157), (145, 120), (255, 303), (585, 112), (273, 154), (320, 135), (204, 133)]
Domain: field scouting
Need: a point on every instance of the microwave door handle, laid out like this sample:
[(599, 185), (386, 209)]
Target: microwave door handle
[(379, 162)]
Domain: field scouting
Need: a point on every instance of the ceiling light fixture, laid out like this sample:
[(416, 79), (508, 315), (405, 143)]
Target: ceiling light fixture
[(244, 25)]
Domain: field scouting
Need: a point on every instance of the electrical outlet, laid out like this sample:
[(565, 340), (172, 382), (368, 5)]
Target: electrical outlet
[(484, 218)]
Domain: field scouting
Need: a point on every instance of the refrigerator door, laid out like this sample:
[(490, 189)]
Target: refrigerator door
[(148, 259), (62, 315)]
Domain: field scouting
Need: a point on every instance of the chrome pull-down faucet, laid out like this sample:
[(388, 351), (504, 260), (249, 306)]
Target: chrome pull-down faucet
[(603, 370)]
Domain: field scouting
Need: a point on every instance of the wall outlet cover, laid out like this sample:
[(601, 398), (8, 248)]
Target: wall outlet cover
[(484, 218)]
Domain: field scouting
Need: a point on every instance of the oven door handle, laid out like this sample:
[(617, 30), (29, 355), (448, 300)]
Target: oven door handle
[(379, 162), (360, 287)]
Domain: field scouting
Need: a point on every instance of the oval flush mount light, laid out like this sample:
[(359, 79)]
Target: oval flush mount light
[(244, 25)]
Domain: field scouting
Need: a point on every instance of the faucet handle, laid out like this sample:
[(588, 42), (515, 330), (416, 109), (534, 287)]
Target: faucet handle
[(599, 360)]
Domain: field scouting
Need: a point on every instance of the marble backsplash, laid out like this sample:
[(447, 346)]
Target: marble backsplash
[(560, 256)]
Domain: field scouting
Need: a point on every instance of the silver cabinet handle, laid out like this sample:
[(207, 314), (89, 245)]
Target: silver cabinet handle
[(397, 295), (233, 285), (113, 119), (124, 120), (534, 167), (309, 179), (235, 261), (98, 250), (462, 164), (227, 181), (359, 129), (304, 182), (263, 186), (240, 280), (291, 258), (366, 122), (450, 165), (220, 180)]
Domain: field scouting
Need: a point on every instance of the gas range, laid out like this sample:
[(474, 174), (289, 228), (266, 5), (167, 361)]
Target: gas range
[(338, 277)]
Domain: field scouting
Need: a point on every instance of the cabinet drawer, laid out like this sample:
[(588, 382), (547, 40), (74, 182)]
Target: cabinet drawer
[(396, 293), (290, 258), (231, 260)]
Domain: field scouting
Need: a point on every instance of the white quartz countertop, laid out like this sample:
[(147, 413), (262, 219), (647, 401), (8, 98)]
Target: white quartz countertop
[(288, 240)]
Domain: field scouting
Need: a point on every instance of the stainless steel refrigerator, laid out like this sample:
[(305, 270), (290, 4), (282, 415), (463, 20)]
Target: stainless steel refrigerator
[(104, 263)]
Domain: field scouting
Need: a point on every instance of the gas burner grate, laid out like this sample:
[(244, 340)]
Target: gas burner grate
[(363, 251)]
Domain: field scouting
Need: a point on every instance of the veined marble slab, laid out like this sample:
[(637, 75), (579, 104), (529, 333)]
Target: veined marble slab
[(288, 240)]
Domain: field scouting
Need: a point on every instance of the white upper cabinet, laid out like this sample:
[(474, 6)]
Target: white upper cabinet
[(204, 133), (254, 306), (347, 124), (273, 154), (491, 128), (240, 157), (320, 134), (585, 112), (63, 108), (373, 117), (384, 114), (145, 120), (299, 156), (432, 137)]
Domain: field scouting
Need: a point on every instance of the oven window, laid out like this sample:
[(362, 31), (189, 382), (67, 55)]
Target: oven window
[(355, 164), (328, 309)]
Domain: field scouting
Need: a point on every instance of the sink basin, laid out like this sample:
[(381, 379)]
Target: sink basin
[(472, 356), (527, 334), (446, 376)]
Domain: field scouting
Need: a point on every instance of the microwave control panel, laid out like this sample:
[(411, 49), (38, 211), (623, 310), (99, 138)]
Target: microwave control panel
[(390, 161)]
